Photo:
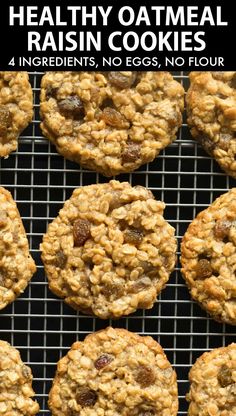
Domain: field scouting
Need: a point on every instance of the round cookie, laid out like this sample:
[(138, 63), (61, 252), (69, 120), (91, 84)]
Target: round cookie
[(16, 264), (110, 251), (16, 108), (15, 384), (213, 383), (208, 257), (111, 122), (114, 372), (211, 109)]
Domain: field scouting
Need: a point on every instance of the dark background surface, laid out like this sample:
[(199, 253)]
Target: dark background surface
[(38, 323), (220, 40)]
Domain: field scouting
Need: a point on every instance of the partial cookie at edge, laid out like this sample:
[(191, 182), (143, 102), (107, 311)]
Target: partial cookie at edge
[(16, 263), (16, 384), (114, 372), (208, 257), (212, 383), (16, 108), (211, 109)]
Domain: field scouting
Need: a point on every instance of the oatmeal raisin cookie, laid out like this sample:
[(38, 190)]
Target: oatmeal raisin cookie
[(16, 108), (213, 383), (114, 372), (211, 108), (110, 122), (15, 384), (16, 264), (110, 251), (208, 256)]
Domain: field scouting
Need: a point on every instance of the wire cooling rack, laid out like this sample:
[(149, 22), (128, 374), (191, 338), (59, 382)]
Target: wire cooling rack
[(40, 325)]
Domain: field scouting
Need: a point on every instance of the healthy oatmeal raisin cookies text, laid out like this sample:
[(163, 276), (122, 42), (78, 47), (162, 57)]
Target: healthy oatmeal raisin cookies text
[(16, 108)]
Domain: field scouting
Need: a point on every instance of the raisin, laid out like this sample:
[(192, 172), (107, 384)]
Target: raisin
[(140, 284), (221, 229), (133, 236), (222, 96), (113, 118), (86, 397), (81, 232), (131, 153), (225, 376), (123, 225), (60, 259), (102, 361), (207, 144), (147, 266), (107, 102), (121, 80), (113, 289), (5, 120), (89, 264), (72, 107), (3, 82), (51, 92), (203, 269), (145, 376)]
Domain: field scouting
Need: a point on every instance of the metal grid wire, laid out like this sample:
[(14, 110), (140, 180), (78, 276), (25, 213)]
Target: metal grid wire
[(40, 325)]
